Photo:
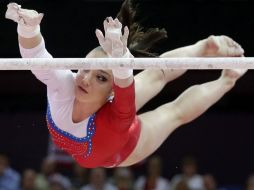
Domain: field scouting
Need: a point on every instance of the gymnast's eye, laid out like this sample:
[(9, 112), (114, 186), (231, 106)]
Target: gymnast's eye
[(101, 78)]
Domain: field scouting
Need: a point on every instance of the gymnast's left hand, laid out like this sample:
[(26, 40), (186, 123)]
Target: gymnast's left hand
[(114, 43)]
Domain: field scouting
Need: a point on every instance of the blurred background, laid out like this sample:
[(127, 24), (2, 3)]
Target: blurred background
[(220, 142)]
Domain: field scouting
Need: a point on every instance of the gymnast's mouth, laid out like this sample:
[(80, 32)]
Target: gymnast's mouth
[(82, 89)]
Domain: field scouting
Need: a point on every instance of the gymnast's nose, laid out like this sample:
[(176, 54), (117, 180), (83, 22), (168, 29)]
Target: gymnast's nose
[(86, 79)]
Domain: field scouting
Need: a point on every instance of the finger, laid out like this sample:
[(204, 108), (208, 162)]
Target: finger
[(118, 24), (12, 12), (111, 22), (26, 12), (126, 32), (21, 10), (124, 38), (99, 36), (110, 19), (41, 15), (105, 25), (13, 5), (31, 17)]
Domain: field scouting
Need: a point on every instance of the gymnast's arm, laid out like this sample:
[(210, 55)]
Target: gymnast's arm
[(123, 105), (122, 108), (32, 45), (56, 80)]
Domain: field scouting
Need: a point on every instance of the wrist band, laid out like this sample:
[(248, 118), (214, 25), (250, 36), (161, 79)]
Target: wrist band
[(123, 73), (28, 31)]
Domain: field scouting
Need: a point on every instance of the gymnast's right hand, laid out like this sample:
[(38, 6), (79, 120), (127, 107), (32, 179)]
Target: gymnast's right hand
[(23, 16)]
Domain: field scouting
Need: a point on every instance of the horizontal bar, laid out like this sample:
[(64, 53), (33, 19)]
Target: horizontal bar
[(135, 63)]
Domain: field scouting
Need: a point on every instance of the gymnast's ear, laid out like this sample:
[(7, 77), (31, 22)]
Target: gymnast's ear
[(111, 97)]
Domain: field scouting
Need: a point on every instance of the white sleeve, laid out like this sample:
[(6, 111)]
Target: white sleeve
[(36, 52), (56, 80)]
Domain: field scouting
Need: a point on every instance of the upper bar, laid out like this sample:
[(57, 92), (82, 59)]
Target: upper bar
[(135, 63)]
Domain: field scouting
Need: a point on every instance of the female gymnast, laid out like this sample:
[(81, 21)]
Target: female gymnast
[(101, 131)]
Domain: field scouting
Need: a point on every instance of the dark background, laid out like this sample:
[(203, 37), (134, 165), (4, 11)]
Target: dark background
[(221, 139)]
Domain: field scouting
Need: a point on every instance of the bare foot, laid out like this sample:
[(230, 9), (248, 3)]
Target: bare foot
[(222, 46)]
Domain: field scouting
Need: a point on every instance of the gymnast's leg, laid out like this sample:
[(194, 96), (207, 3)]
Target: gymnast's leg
[(158, 124), (150, 82)]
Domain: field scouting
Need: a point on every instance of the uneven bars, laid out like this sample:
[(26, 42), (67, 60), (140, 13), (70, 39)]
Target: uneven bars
[(135, 63)]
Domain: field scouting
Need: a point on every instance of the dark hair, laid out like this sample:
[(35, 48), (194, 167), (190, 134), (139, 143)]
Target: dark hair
[(140, 42)]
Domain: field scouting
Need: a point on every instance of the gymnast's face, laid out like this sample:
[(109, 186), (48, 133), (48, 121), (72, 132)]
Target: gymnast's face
[(94, 86)]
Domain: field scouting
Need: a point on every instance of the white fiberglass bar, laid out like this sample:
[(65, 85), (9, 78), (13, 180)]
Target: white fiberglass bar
[(135, 63)]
